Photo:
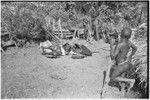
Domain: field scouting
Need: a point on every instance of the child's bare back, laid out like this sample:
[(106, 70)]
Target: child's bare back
[(124, 48), (121, 59), (122, 55)]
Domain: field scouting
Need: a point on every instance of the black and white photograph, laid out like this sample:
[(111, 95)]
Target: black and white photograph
[(74, 49)]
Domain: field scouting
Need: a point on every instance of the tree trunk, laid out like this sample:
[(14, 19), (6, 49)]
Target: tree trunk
[(48, 19), (61, 34), (97, 33), (96, 29)]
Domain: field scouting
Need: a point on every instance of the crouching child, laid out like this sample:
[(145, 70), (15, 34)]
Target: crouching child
[(119, 55)]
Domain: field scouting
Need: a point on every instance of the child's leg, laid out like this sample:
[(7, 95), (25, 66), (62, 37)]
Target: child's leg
[(112, 70), (131, 81), (118, 71)]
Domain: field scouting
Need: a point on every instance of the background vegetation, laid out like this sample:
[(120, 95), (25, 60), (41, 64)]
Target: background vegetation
[(27, 20)]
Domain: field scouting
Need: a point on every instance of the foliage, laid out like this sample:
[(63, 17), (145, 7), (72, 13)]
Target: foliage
[(73, 12), (25, 20), (141, 67)]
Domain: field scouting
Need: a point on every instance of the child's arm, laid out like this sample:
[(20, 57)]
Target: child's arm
[(134, 49), (111, 49), (114, 52)]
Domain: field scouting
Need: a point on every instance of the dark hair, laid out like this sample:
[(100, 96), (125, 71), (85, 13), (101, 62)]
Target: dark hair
[(126, 33)]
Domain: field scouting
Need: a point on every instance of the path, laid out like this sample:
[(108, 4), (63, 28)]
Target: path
[(28, 74)]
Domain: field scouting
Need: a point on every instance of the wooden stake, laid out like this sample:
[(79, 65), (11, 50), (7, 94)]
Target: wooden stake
[(106, 78)]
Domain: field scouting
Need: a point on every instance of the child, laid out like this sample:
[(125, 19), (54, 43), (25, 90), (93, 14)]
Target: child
[(119, 55)]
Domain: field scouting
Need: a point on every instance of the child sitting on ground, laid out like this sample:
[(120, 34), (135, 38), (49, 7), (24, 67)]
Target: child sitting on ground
[(119, 55)]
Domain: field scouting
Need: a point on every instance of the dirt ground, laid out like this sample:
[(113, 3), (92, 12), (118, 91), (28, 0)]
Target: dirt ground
[(25, 73)]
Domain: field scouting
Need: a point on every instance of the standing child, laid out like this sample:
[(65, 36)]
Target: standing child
[(119, 55)]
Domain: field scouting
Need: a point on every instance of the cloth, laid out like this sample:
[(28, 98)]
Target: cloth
[(45, 44), (81, 49), (47, 51), (85, 51), (72, 53), (76, 48), (62, 50), (67, 48), (77, 56)]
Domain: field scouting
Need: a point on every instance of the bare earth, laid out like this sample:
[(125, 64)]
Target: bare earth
[(25, 73)]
